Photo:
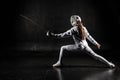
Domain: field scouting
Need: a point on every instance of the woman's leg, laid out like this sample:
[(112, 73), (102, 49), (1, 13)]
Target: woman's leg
[(98, 57), (66, 47)]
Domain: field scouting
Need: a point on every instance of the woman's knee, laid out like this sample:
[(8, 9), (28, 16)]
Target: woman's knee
[(63, 48)]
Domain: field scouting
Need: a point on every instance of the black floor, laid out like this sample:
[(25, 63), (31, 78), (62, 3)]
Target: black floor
[(39, 67)]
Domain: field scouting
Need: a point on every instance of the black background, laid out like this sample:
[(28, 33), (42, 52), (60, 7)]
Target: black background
[(100, 17)]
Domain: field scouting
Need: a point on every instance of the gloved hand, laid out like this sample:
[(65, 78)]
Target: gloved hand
[(49, 33)]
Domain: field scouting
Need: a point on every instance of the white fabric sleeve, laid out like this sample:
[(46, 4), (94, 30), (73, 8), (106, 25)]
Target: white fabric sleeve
[(68, 33), (90, 38)]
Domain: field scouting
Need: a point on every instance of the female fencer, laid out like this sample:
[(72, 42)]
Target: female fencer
[(79, 34)]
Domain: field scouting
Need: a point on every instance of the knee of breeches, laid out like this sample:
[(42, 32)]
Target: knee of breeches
[(63, 48)]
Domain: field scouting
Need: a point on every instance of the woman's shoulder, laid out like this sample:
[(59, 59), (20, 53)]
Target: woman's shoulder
[(74, 28)]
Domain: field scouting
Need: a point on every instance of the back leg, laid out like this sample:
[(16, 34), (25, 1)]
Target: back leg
[(98, 57)]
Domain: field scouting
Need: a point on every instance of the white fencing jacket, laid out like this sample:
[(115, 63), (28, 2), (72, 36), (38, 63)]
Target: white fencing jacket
[(76, 37)]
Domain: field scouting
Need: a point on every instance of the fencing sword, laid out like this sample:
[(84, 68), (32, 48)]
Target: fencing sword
[(30, 20)]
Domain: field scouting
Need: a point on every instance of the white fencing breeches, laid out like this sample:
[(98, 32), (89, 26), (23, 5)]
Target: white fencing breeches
[(83, 46)]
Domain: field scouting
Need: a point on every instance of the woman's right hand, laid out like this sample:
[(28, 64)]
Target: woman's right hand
[(49, 33)]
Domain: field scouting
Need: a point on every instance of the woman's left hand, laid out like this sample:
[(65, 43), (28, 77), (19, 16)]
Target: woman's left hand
[(98, 46)]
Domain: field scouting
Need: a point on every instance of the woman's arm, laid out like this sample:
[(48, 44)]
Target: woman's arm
[(91, 39), (68, 33)]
